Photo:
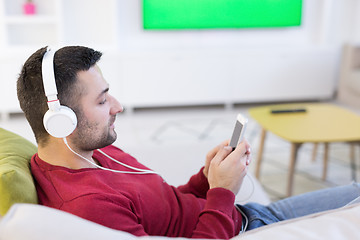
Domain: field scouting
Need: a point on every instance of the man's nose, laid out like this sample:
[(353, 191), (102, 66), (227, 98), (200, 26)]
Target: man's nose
[(117, 107)]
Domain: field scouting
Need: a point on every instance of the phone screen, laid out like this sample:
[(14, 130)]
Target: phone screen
[(236, 134)]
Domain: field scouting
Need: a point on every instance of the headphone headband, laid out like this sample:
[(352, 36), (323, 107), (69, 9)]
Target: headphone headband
[(48, 74)]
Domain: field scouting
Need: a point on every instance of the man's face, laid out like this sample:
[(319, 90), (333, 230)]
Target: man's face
[(96, 113)]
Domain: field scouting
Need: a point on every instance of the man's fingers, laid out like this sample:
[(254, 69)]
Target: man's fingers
[(243, 152), (223, 152), (243, 148), (213, 152)]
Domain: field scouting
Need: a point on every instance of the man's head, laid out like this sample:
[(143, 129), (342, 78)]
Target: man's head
[(76, 73)]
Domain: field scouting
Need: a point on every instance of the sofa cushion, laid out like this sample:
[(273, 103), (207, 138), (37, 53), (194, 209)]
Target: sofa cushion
[(40, 222), (16, 182)]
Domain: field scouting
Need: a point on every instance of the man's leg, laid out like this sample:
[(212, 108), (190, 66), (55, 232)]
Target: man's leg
[(301, 205), (314, 202)]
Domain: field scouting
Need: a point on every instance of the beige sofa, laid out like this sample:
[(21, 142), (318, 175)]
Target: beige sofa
[(23, 218), (34, 222)]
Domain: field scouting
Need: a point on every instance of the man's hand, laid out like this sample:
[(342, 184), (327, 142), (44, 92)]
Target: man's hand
[(212, 154), (228, 168)]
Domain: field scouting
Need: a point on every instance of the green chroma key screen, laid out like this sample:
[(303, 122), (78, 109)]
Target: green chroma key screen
[(207, 14)]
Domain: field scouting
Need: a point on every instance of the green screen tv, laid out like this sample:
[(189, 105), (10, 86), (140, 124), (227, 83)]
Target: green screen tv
[(220, 14)]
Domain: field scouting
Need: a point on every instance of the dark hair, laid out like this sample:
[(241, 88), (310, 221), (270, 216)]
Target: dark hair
[(68, 61)]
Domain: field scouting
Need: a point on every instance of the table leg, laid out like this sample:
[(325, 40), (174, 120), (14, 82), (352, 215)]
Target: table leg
[(325, 160), (260, 153), (314, 153), (352, 161), (294, 150)]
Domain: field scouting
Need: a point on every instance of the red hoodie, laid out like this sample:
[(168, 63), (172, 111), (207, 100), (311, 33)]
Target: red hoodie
[(138, 204)]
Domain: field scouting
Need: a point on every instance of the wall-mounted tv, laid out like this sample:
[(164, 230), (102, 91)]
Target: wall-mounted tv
[(219, 14)]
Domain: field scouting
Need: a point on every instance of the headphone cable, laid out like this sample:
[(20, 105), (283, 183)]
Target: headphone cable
[(139, 171)]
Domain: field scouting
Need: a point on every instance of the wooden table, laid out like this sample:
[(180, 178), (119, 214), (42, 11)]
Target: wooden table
[(321, 123)]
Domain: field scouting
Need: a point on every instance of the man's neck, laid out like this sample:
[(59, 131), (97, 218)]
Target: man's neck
[(55, 152)]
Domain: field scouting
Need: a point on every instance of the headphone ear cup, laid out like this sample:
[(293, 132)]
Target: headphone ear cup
[(61, 123)]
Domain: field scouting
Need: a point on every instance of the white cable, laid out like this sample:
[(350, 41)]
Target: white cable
[(252, 190), (243, 228), (123, 164), (140, 171)]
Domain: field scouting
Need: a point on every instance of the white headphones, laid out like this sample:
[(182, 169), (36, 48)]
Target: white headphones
[(59, 121)]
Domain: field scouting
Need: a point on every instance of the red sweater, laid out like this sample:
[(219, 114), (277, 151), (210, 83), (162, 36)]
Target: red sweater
[(138, 204)]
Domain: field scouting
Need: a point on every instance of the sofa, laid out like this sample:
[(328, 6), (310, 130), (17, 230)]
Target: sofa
[(23, 218)]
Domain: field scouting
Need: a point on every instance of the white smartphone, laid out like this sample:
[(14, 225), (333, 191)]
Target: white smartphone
[(239, 130)]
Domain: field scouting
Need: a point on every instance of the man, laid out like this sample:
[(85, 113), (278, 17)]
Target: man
[(85, 175)]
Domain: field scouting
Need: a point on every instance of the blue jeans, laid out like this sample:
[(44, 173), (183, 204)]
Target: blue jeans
[(259, 215)]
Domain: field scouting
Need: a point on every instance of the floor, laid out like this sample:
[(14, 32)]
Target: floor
[(174, 142)]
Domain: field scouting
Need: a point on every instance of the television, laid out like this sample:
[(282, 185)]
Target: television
[(220, 14)]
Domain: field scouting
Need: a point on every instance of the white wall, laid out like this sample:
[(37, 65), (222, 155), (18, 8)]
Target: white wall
[(232, 66)]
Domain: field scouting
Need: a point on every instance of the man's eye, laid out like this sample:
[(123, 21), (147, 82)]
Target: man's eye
[(103, 101)]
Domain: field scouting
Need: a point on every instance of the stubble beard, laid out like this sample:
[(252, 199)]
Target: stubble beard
[(88, 138)]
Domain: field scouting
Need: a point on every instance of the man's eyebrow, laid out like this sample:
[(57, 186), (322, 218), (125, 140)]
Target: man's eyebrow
[(103, 92)]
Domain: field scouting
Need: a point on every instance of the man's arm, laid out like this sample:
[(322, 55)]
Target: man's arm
[(198, 185), (219, 219), (107, 212), (226, 172), (215, 221)]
